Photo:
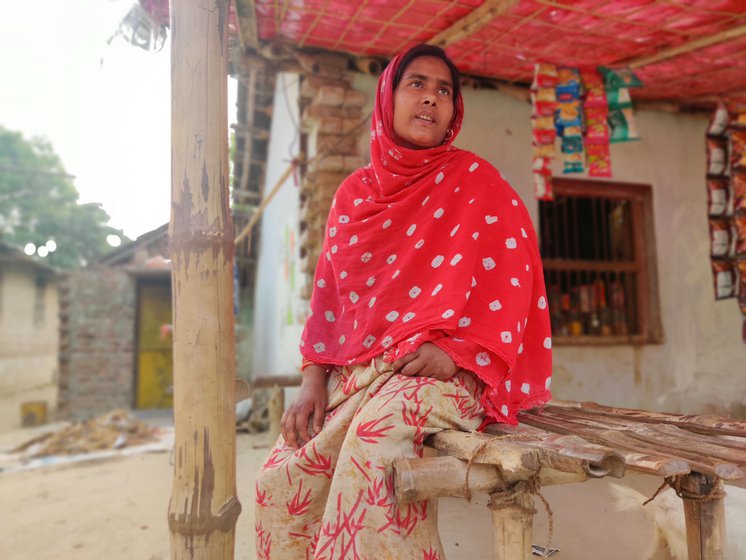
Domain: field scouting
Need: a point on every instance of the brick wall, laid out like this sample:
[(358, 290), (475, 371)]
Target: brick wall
[(331, 121), (97, 342)]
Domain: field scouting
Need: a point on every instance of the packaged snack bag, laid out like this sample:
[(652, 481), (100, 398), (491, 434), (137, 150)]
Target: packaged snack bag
[(543, 186), (597, 127), (717, 149), (741, 267), (599, 160), (739, 120), (740, 236), (719, 121), (543, 103), (569, 114), (615, 79), (544, 136), (622, 123), (543, 123), (618, 98), (542, 165), (724, 278), (595, 94), (545, 76), (718, 195), (721, 238), (573, 162), (544, 150), (738, 147), (738, 182)]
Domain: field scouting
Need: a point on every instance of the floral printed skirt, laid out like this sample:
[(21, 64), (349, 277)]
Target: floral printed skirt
[(334, 497)]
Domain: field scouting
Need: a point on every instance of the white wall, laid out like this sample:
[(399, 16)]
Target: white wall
[(279, 311), (28, 349), (700, 366)]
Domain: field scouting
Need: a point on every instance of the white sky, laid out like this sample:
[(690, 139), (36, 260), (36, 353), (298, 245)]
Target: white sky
[(105, 108)]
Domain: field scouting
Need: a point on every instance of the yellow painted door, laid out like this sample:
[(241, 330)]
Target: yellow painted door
[(155, 353)]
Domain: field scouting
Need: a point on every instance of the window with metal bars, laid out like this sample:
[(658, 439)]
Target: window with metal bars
[(598, 249)]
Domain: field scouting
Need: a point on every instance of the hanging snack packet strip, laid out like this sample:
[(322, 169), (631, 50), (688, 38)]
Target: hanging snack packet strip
[(569, 119), (543, 108), (738, 181), (597, 134), (719, 207)]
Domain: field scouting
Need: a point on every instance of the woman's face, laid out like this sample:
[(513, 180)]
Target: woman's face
[(423, 103)]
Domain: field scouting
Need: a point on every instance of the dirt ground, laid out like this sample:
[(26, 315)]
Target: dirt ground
[(116, 509)]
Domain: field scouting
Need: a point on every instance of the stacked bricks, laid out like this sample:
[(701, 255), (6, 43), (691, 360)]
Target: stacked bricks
[(332, 112), (97, 342)]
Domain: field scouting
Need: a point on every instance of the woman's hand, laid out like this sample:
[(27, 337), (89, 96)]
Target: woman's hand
[(427, 361), (310, 403)]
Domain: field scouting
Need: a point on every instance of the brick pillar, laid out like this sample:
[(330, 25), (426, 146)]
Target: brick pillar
[(331, 112)]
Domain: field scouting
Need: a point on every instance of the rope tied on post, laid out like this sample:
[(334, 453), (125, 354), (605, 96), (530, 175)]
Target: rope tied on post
[(675, 482), (509, 495)]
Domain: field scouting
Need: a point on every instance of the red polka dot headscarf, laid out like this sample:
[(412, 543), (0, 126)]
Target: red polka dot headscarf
[(433, 245)]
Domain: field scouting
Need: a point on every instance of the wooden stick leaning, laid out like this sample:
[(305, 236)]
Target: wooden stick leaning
[(284, 177)]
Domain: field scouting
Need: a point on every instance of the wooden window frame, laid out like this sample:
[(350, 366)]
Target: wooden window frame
[(640, 199)]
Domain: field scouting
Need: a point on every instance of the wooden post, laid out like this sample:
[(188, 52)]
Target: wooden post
[(276, 407), (512, 523), (705, 518), (203, 508)]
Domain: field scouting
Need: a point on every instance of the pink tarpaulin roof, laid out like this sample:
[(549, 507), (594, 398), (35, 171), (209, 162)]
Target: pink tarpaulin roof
[(681, 49), (563, 32)]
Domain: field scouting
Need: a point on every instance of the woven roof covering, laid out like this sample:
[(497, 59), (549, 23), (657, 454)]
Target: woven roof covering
[(681, 49)]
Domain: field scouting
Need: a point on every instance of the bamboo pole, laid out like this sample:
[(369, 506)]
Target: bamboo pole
[(437, 477), (203, 508), (704, 515)]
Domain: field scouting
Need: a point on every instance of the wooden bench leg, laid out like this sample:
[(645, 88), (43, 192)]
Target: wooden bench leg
[(704, 513), (512, 522)]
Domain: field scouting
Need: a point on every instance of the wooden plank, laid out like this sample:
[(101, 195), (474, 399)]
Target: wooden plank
[(472, 22), (699, 423), (621, 440)]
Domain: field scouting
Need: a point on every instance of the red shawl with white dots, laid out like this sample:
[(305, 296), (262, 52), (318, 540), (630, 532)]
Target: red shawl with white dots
[(433, 246)]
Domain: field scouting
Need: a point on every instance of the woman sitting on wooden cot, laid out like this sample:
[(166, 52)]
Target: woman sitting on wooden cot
[(428, 313)]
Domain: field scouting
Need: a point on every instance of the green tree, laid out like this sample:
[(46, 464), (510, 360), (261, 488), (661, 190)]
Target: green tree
[(39, 202)]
